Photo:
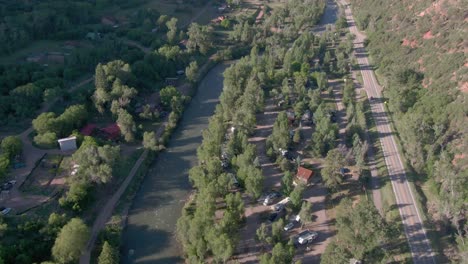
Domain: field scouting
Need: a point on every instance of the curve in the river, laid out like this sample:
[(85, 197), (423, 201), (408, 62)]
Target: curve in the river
[(149, 236)]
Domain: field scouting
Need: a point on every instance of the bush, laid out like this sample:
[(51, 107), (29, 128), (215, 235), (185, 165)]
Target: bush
[(46, 140)]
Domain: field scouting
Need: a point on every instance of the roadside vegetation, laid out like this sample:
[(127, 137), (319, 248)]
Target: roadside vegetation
[(426, 98)]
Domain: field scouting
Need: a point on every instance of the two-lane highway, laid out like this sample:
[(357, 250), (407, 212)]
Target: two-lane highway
[(413, 225)]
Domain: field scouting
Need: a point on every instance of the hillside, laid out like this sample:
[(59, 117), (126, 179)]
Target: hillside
[(419, 48)]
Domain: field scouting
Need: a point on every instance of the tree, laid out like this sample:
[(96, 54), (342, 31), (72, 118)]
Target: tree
[(306, 213), (296, 195), (4, 164), (172, 30), (192, 71), (108, 255), (280, 254), (280, 134), (277, 230), (96, 162), (45, 122), (287, 183), (47, 140), (11, 146), (71, 241), (149, 141), (335, 253), (261, 234), (126, 125), (297, 136), (254, 182), (221, 245), (361, 229), (167, 93), (200, 38), (331, 171)]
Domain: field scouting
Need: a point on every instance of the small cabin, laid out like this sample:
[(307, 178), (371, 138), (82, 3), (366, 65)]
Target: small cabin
[(67, 144), (303, 176)]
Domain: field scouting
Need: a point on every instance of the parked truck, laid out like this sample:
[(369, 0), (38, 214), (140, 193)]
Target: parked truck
[(281, 204)]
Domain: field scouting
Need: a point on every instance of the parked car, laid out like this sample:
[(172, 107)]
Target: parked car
[(270, 198), (5, 211), (7, 186), (306, 237), (281, 204), (13, 182), (278, 207), (289, 226)]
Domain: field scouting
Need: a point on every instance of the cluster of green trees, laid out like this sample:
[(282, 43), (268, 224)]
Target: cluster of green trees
[(30, 240), (212, 181), (50, 127), (361, 232), (113, 93), (92, 166), (10, 147), (24, 22), (23, 88), (424, 95)]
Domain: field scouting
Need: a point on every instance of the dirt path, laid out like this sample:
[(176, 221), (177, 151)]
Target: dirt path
[(197, 15), (106, 212), (146, 50)]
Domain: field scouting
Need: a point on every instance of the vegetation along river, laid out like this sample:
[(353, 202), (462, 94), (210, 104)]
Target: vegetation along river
[(149, 236)]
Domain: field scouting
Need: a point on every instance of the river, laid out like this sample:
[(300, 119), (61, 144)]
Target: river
[(149, 236)]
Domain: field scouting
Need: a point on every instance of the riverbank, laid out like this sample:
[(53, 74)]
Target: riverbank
[(148, 235)]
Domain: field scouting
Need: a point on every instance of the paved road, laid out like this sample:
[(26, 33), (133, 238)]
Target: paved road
[(412, 222), (375, 178)]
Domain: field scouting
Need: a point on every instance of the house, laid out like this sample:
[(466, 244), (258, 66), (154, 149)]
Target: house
[(112, 131), (67, 143), (303, 176), (88, 129)]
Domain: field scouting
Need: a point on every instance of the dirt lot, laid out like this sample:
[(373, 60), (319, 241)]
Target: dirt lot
[(46, 177)]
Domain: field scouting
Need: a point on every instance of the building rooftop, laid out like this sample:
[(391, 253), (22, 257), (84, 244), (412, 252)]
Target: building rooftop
[(304, 174)]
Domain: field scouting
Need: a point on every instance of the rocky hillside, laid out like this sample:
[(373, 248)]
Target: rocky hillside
[(420, 48)]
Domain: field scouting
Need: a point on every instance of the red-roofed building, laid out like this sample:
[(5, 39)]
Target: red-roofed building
[(112, 131), (304, 175), (88, 129)]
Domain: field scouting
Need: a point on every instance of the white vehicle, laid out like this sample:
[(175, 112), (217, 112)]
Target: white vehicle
[(5, 211), (271, 197), (306, 237), (279, 206)]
